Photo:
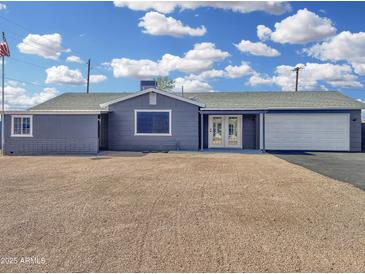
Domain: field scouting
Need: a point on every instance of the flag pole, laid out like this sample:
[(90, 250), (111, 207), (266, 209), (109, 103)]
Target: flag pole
[(2, 101), (2, 108)]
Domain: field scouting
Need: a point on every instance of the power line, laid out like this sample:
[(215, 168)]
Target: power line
[(28, 63), (28, 30), (23, 81)]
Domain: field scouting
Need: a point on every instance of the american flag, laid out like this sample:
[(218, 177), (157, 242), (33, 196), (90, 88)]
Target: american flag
[(4, 49)]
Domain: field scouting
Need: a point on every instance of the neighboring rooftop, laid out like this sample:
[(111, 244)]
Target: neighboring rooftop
[(215, 100)]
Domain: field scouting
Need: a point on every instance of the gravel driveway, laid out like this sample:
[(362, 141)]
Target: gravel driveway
[(177, 212)]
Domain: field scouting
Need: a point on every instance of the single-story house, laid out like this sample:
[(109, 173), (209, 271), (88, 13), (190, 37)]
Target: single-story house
[(155, 120)]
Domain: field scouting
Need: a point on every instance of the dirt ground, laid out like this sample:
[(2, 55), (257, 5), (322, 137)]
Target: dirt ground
[(176, 213)]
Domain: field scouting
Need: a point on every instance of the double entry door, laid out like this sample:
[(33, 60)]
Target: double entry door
[(225, 131)]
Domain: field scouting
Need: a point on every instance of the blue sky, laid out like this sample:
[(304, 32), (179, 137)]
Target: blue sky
[(205, 48)]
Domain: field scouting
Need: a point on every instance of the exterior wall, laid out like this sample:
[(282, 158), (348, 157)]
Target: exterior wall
[(363, 136), (103, 131), (355, 130), (249, 140), (249, 130), (185, 125), (55, 134), (355, 124)]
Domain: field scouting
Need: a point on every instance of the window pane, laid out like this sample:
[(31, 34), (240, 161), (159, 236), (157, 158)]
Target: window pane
[(26, 125), (17, 125), (153, 122)]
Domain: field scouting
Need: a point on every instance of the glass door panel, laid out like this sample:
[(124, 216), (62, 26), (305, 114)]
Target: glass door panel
[(217, 134), (232, 131)]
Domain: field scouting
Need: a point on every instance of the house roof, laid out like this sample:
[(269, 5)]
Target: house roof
[(212, 100), (277, 100)]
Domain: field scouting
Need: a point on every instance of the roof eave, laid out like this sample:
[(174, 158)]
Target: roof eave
[(65, 112), (107, 104), (284, 108)]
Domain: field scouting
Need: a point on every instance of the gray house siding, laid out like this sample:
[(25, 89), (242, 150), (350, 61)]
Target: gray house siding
[(363, 136), (185, 125), (249, 132), (355, 131), (55, 134), (103, 131)]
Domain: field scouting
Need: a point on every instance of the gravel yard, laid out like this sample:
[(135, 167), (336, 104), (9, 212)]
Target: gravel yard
[(176, 212)]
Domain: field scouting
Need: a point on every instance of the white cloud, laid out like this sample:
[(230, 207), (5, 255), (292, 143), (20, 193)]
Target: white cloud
[(74, 59), (97, 78), (312, 77), (199, 59), (136, 69), (155, 23), (263, 33), (238, 71), (196, 60), (303, 27), (209, 74), (16, 96), (163, 7), (271, 7), (192, 85), (63, 75), (256, 48), (345, 46), (2, 6), (47, 46), (359, 68), (257, 80)]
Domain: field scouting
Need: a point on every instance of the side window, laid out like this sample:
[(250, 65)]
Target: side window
[(21, 125)]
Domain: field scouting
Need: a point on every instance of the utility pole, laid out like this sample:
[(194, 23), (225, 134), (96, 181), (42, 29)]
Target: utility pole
[(88, 77), (297, 69), (182, 91)]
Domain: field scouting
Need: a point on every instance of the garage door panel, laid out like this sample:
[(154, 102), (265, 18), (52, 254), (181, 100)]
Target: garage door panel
[(307, 131)]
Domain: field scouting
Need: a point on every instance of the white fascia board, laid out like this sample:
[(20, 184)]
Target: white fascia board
[(282, 108), (152, 90), (65, 112)]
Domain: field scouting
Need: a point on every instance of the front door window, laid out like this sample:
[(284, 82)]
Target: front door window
[(217, 138), (232, 131)]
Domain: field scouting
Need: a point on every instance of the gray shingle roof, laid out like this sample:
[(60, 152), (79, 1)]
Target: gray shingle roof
[(219, 100)]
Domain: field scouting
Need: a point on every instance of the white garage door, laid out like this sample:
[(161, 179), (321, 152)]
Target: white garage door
[(325, 131)]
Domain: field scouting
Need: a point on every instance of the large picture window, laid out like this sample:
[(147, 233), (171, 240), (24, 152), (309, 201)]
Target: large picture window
[(21, 126), (153, 122)]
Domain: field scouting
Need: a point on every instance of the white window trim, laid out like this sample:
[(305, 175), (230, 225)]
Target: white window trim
[(152, 134), (30, 126)]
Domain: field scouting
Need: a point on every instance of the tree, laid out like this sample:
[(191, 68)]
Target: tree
[(165, 83)]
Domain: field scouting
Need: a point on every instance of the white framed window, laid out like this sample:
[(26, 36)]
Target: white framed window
[(152, 122), (153, 98), (22, 126)]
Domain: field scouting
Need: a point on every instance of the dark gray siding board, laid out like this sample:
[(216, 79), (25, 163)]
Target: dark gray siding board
[(249, 132), (185, 125), (355, 130), (103, 131), (363, 136), (55, 134)]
